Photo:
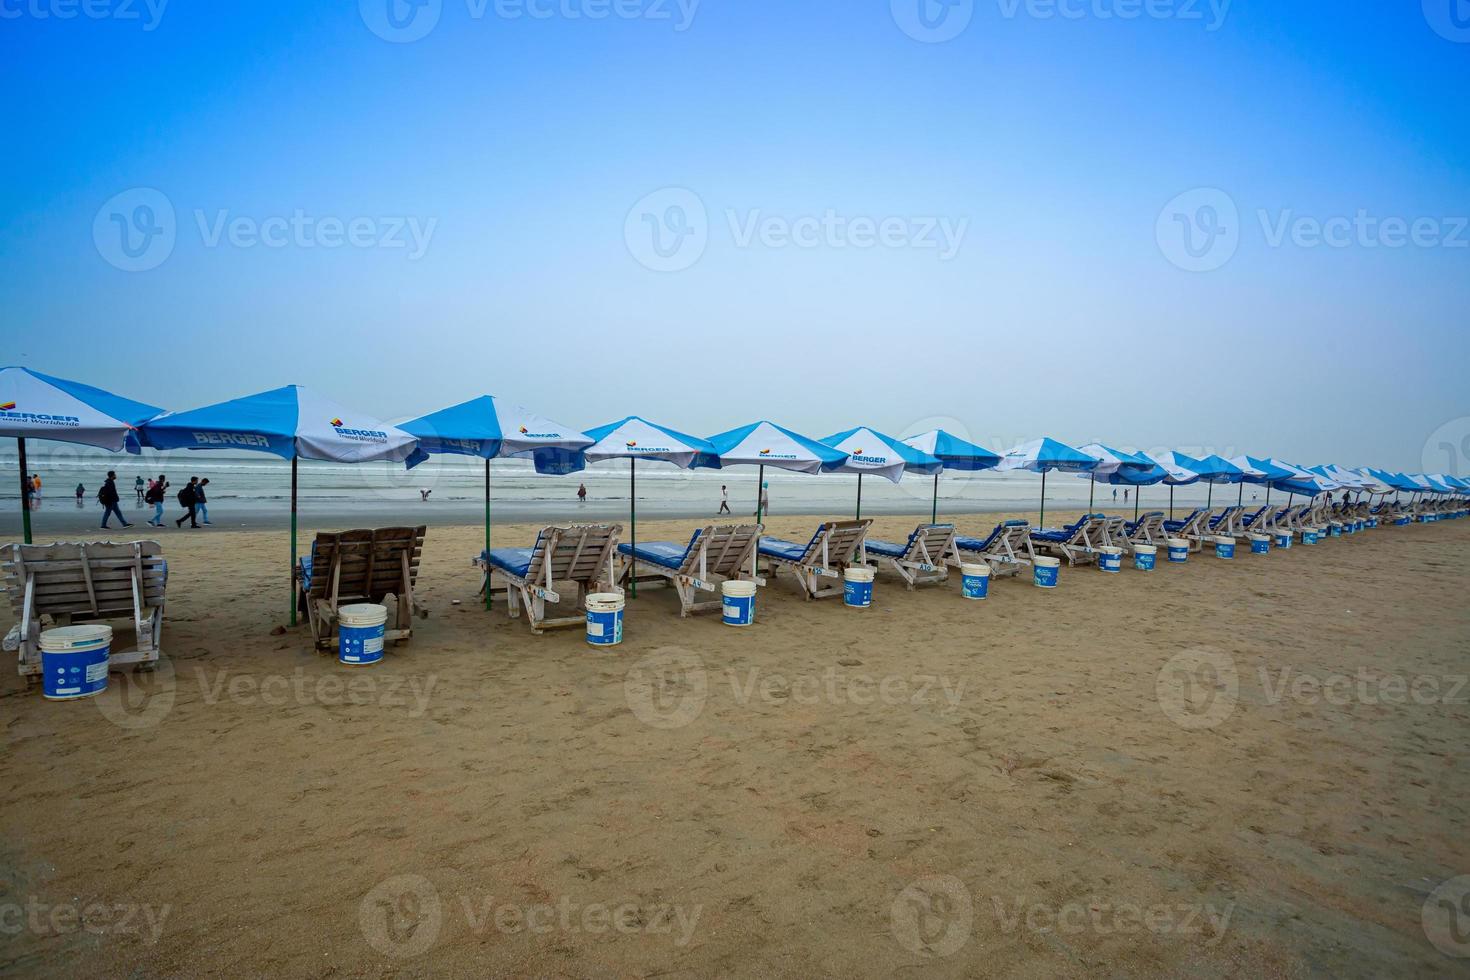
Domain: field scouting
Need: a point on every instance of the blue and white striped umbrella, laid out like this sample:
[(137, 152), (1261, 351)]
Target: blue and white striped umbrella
[(955, 453), (765, 444), (1042, 456), (870, 451)]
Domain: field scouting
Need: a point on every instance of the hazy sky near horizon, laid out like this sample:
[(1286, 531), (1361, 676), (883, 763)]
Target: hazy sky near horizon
[(1229, 226)]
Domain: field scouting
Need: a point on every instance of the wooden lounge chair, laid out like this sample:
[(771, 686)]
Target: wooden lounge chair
[(1077, 542), (347, 567), (1194, 528), (86, 583), (1148, 529), (1007, 549), (835, 545), (925, 557), (1114, 532), (579, 556), (713, 555), (1228, 522)]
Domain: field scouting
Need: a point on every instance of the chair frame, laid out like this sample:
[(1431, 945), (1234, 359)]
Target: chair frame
[(835, 546), (371, 557), (1002, 554), (927, 556), (717, 554), (588, 564)]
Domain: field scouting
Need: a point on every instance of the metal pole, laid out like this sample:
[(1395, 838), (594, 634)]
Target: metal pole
[(1091, 488), (25, 494), (859, 515), (1240, 500), (1137, 492), (934, 516), (1209, 494), (1171, 501), (633, 523), (487, 532), (760, 483), (1041, 520), (293, 541)]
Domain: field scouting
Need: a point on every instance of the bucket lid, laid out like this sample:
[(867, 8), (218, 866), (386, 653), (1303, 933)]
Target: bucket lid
[(738, 589), (1110, 549), (1260, 537), (362, 614), (604, 602), (858, 573), (966, 568), (1148, 549), (64, 638), (1046, 562), (1222, 539), (1179, 542)]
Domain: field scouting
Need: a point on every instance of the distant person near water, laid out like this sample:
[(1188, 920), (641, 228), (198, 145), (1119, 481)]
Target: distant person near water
[(81, 492), (108, 498), (156, 489), (35, 491), (139, 488), (765, 504), (188, 499), (1115, 495), (581, 493), (200, 501), (724, 499), (424, 493), (1125, 496)]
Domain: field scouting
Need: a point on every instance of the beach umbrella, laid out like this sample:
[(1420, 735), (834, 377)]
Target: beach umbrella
[(293, 423), (1177, 472), (1109, 462), (1305, 481), (1041, 456), (765, 444), (635, 438), (1259, 471), (1214, 470), (38, 406), (491, 429), (955, 453), (869, 451), (1132, 477)]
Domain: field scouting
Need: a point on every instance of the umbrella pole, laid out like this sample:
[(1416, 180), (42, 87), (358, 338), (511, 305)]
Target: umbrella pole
[(1241, 499), (293, 540), (633, 523), (1041, 519), (1137, 492), (1171, 502), (859, 515), (1091, 489), (25, 485), (1268, 495), (760, 482), (934, 516), (1209, 494), (487, 532)]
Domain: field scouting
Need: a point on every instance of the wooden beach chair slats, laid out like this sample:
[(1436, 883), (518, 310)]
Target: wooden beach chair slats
[(364, 565), (717, 553), (836, 545), (93, 582), (929, 552), (573, 557)]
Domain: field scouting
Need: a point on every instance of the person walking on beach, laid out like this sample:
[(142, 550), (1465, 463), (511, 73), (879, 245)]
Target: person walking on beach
[(765, 504), (108, 498), (81, 492), (1115, 495), (35, 491), (581, 493), (200, 501), (724, 499), (156, 490), (138, 488), (188, 499), (1125, 498)]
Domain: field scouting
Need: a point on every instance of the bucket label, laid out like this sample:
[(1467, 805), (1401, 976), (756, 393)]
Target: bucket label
[(373, 645), (96, 672)]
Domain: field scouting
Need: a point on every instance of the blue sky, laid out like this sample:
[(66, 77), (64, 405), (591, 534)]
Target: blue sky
[(535, 156)]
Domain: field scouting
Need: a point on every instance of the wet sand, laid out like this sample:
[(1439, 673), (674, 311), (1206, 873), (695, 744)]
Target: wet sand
[(1223, 768)]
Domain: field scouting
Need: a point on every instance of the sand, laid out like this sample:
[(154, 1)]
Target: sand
[(1042, 784)]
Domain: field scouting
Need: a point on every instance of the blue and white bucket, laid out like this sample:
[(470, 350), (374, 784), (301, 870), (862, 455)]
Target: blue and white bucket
[(738, 603), (1260, 544), (604, 619), (1145, 556), (360, 634), (1357, 525), (1372, 522), (975, 580), (1283, 539), (1178, 550), (74, 661), (857, 586), (1224, 547), (1110, 558), (1402, 521), (1046, 571), (1334, 529), (1311, 534)]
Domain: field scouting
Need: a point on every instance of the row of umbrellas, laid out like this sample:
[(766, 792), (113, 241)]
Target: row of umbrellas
[(295, 423)]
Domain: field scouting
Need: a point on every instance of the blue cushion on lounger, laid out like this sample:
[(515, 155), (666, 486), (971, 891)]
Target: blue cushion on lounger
[(886, 548), (517, 561), (781, 548), (305, 565), (665, 553)]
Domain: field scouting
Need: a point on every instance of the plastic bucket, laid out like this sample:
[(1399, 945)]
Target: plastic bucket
[(1110, 559), (360, 634), (1046, 571), (738, 603), (74, 661), (1260, 544), (1178, 550), (1402, 521), (1224, 547), (1311, 534), (1349, 527), (604, 619), (857, 586), (1283, 539), (1372, 522), (1357, 525), (974, 580), (1334, 529), (1145, 556)]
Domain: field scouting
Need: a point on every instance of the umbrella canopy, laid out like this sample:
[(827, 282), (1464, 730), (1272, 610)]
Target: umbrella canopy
[(38, 406), (955, 453), (869, 451), (289, 422), (1454, 483), (1375, 483), (1042, 456), (1217, 470), (1305, 481), (635, 438), (1255, 470), (492, 429), (1175, 466), (1345, 478), (768, 444), (1110, 460)]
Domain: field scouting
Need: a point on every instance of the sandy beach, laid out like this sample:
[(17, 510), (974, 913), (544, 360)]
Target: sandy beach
[(1218, 769)]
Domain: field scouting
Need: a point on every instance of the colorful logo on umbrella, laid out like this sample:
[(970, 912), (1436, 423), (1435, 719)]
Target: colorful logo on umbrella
[(336, 423), (765, 452), (631, 444), (8, 406)]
